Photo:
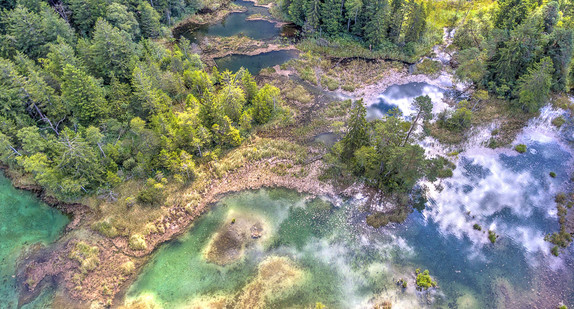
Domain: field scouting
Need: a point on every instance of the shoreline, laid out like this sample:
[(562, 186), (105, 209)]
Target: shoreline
[(52, 262)]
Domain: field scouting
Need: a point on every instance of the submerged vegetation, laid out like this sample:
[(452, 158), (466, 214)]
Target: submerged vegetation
[(102, 106)]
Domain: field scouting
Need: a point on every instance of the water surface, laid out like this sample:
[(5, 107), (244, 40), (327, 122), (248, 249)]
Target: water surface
[(25, 222), (346, 263), (255, 63)]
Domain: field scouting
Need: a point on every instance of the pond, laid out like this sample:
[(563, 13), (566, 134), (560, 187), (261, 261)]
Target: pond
[(402, 96), (234, 24), (274, 248), (25, 222), (255, 63), (237, 23)]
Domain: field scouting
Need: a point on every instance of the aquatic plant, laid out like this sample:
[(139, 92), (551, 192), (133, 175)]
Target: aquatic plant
[(520, 148), (424, 280), (492, 236), (558, 121)]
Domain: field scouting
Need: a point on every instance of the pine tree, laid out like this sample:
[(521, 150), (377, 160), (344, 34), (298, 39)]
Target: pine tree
[(83, 96), (149, 21), (356, 136), (534, 86), (396, 20), (331, 16)]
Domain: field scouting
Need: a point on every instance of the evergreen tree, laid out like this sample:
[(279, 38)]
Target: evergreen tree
[(265, 103), (86, 13), (534, 86), (396, 20), (83, 96), (149, 21), (112, 52), (416, 22), (356, 136), (376, 23), (560, 49), (352, 9), (331, 16), (423, 108), (119, 16), (313, 16)]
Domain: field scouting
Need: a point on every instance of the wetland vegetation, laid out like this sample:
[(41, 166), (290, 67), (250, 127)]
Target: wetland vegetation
[(286, 153)]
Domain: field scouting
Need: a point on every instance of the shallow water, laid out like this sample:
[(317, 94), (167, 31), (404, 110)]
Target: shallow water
[(328, 139), (402, 96), (347, 263), (236, 24), (25, 222), (255, 63)]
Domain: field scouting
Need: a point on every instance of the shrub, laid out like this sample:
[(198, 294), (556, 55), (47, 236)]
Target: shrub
[(127, 268), (348, 87), (560, 198), (424, 280), (429, 67), (299, 94), (552, 174), (477, 227), (137, 242), (86, 255), (105, 228), (331, 83), (458, 120), (558, 121), (520, 148), (153, 193), (492, 236), (555, 251)]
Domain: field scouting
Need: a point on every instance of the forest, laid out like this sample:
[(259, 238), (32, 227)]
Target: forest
[(93, 93), (90, 103), (136, 131)]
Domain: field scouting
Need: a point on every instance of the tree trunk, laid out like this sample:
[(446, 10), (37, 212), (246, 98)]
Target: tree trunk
[(411, 129)]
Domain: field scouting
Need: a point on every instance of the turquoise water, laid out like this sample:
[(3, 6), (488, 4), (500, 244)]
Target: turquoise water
[(25, 222), (347, 264)]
